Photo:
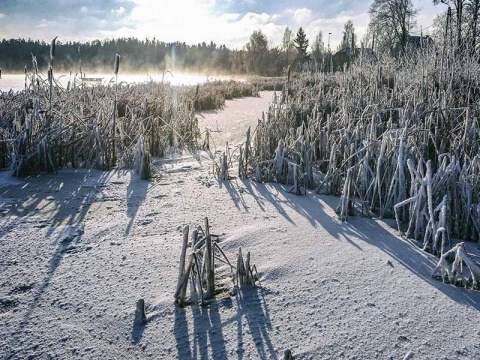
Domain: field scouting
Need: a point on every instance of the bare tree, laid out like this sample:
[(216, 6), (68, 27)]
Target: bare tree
[(461, 23), (473, 8), (257, 50), (458, 6), (318, 47), (349, 39), (391, 21), (287, 42)]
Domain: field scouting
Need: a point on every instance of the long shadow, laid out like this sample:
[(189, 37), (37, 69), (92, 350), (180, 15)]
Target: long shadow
[(63, 247), (369, 231), (136, 194), (137, 332), (208, 328), (262, 195), (47, 190), (282, 200), (413, 258), (200, 341), (208, 332), (252, 306), (182, 338), (235, 194), (319, 210), (46, 193)]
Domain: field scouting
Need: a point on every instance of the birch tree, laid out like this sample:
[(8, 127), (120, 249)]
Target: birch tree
[(391, 21)]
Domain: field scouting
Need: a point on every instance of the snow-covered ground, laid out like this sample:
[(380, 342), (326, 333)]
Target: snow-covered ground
[(77, 250)]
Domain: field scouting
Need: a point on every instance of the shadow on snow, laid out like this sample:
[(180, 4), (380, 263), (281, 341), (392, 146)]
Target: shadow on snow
[(208, 339)]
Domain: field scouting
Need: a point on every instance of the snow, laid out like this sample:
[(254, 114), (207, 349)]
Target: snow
[(79, 248), (6, 179)]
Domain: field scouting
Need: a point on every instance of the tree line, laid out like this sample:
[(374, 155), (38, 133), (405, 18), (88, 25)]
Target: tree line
[(391, 22), (136, 54), (256, 57)]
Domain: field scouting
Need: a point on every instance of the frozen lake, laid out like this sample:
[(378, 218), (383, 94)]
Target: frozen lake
[(17, 82)]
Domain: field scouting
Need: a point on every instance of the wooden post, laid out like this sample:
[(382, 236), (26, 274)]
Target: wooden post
[(241, 172), (181, 267), (287, 354), (181, 292), (199, 277), (248, 278), (247, 149), (240, 268), (140, 317), (209, 261)]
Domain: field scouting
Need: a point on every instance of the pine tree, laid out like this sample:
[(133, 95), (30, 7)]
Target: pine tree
[(301, 44)]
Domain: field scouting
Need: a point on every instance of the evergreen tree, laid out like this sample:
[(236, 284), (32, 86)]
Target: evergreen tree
[(301, 44)]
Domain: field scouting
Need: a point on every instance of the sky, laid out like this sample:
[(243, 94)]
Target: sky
[(228, 22)]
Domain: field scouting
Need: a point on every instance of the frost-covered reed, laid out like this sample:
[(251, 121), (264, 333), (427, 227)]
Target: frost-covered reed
[(47, 126), (204, 259), (396, 138)]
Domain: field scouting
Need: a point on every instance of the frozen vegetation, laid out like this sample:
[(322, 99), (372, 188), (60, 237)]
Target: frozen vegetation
[(336, 218)]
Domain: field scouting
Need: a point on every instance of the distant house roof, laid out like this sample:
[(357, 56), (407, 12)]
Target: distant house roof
[(417, 41), (367, 51), (347, 51)]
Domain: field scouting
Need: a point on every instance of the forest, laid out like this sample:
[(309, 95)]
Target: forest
[(144, 56)]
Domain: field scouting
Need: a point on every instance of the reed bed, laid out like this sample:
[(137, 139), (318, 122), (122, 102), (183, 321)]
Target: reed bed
[(212, 94), (47, 126), (267, 83), (393, 138)]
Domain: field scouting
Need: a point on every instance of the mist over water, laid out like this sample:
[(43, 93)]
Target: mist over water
[(17, 82)]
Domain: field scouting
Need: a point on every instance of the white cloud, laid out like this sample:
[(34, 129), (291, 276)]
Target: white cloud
[(257, 19), (302, 16), (230, 16), (171, 22), (119, 11), (195, 21)]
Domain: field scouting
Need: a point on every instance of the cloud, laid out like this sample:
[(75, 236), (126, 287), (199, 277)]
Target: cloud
[(119, 11), (302, 16), (256, 19), (69, 19), (230, 17), (228, 22)]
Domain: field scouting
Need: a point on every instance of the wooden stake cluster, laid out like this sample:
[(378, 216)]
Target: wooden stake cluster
[(245, 275), (199, 269)]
